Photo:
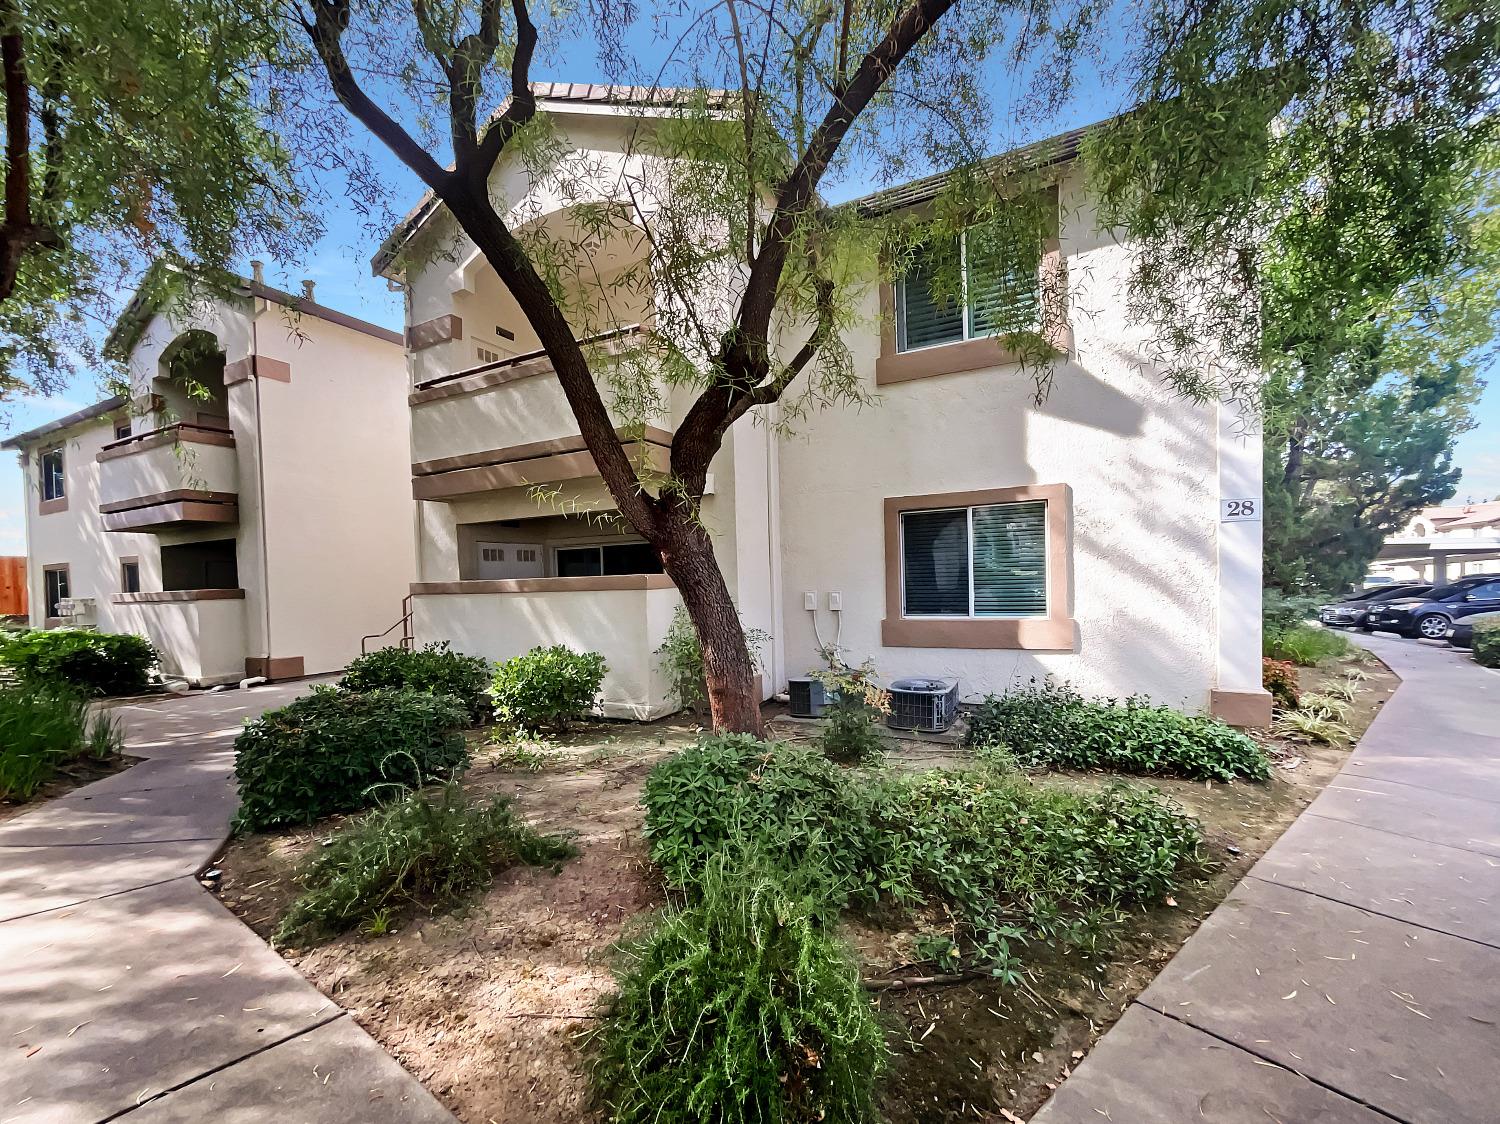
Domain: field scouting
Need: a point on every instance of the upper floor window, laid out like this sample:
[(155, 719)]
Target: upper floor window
[(988, 561), (122, 430), (53, 484), (998, 290)]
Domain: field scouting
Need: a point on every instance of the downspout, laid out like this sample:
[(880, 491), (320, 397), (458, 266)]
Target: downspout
[(260, 473), (773, 551)]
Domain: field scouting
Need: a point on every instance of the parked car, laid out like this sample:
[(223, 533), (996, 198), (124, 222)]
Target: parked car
[(1351, 611), (1431, 616), (1461, 634)]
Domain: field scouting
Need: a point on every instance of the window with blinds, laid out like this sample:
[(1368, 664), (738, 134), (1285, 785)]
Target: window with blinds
[(1001, 291), (986, 561)]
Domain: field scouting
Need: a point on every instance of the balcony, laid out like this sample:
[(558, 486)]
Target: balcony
[(199, 633), (625, 618), (180, 475), (507, 424)]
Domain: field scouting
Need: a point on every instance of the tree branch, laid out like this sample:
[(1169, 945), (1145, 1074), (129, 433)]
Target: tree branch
[(522, 105), (18, 233)]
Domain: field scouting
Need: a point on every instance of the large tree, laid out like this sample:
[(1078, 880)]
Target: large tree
[(132, 131), (1229, 142)]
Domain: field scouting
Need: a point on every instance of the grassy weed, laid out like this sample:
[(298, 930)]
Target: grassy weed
[(42, 729)]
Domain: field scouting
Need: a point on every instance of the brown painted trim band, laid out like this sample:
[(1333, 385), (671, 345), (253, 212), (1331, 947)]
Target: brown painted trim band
[(573, 444), (274, 667), (170, 515), (257, 366), (598, 584), (173, 496), (502, 371), (537, 470), (430, 333), (1056, 632), (52, 507), (180, 433), (1241, 708), (172, 596)]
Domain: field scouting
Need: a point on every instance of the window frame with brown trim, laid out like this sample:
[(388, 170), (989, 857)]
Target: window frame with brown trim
[(51, 505), (54, 619), (1055, 631), (975, 353), (130, 562)]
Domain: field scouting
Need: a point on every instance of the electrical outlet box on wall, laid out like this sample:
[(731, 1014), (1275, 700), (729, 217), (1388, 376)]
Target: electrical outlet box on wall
[(836, 601), (810, 600)]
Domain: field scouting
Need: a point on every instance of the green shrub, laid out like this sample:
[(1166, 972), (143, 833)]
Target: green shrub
[(1487, 643), (43, 728), (415, 853), (797, 803), (1280, 611), (682, 659), (1008, 859), (1055, 726), (739, 1008), (96, 663), (852, 732), (547, 687), (1306, 645), (434, 669), (1279, 677), (335, 751)]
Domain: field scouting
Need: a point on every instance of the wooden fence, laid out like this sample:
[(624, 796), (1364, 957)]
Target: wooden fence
[(12, 586)]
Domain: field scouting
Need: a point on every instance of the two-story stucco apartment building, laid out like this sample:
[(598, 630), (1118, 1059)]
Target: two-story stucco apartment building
[(1108, 537), (245, 503)]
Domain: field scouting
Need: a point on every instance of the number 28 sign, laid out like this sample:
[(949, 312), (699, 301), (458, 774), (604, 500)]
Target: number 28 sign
[(1238, 511)]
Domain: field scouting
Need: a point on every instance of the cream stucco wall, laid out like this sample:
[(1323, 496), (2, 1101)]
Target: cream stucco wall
[(1142, 464), (626, 626)]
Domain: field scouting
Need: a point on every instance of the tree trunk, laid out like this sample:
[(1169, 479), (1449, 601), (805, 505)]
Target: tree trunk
[(688, 557)]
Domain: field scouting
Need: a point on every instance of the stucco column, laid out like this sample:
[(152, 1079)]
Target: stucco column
[(1439, 568), (1238, 696)]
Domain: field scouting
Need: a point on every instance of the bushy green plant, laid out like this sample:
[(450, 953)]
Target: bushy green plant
[(682, 659), (1280, 611), (1279, 678), (740, 1007), (417, 852), (1306, 645), (1487, 643), (435, 669), (547, 687), (852, 731), (94, 663), (42, 728), (1053, 725), (337, 751), (1009, 859), (797, 802)]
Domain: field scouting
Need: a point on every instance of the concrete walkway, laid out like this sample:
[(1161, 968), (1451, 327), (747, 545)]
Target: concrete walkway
[(129, 993), (1354, 975)]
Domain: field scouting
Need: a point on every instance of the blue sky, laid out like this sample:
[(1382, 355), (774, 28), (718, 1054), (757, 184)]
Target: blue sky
[(340, 266)]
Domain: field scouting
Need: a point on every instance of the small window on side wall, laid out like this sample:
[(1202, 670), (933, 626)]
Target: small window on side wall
[(57, 587), (54, 481), (130, 576)]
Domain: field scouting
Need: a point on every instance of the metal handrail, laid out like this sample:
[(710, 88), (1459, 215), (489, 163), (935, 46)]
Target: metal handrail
[(404, 624)]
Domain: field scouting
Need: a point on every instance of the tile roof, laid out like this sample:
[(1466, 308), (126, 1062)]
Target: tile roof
[(88, 413)]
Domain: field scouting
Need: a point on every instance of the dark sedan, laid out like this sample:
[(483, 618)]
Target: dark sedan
[(1352, 610), (1461, 635), (1432, 616)]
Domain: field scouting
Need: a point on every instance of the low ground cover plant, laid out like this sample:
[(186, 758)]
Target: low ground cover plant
[(92, 663), (1487, 643), (1053, 725), (43, 728), (740, 1007), (1279, 677), (1011, 860), (435, 668), (546, 688), (1306, 645), (419, 852), (338, 751)]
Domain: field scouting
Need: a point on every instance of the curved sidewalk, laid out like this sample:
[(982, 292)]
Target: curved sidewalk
[(129, 993), (1353, 976)]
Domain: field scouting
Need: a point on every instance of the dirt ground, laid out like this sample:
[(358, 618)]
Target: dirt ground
[(488, 1006)]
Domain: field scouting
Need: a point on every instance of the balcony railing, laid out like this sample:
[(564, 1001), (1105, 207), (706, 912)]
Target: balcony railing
[(174, 476)]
